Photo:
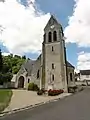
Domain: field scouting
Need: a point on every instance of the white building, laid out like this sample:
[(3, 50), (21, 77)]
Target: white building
[(84, 75)]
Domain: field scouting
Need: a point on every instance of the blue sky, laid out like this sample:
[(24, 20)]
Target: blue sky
[(61, 9)]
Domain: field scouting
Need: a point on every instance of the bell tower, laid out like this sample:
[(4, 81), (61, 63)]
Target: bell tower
[(53, 56)]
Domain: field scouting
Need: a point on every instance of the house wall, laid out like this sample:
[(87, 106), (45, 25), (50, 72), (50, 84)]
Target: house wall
[(31, 76), (36, 67), (71, 70), (56, 57), (84, 77)]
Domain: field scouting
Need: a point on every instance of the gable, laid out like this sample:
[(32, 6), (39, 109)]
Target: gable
[(52, 21), (70, 65)]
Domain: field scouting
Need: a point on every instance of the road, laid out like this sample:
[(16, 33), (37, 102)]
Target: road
[(75, 107)]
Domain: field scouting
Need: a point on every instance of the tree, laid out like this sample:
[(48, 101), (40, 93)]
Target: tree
[(23, 57), (1, 61), (10, 65)]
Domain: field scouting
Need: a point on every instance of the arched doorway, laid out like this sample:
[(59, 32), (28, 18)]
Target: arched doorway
[(21, 82)]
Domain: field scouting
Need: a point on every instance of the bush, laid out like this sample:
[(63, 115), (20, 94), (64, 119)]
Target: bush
[(40, 92), (72, 89), (54, 92), (33, 87)]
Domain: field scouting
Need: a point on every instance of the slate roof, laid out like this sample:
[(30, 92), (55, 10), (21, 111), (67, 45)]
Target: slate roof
[(85, 72), (52, 19), (28, 65), (70, 65)]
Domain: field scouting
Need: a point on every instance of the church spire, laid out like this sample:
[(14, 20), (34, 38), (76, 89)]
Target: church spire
[(52, 21)]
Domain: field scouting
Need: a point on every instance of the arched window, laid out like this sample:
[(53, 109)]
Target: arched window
[(52, 77), (38, 74), (45, 37), (49, 37), (71, 76), (28, 80), (54, 36), (52, 48)]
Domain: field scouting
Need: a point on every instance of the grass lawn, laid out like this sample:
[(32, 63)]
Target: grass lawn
[(5, 97)]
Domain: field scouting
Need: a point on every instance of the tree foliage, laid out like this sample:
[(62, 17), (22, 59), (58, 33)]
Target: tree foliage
[(9, 65), (1, 60), (13, 63)]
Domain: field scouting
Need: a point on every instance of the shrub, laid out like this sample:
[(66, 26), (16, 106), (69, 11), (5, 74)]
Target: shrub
[(33, 87), (72, 89), (54, 92), (40, 92)]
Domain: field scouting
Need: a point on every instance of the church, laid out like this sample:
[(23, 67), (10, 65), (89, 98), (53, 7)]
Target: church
[(50, 70)]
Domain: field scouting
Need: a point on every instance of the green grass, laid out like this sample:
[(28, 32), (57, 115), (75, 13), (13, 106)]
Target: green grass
[(5, 97)]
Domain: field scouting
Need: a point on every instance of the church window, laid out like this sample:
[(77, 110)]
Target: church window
[(45, 37), (49, 37), (52, 66), (52, 77), (38, 74), (52, 48), (28, 80), (71, 76), (54, 36)]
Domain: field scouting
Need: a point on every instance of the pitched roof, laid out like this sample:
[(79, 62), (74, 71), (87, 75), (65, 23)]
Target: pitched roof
[(51, 21), (85, 72), (70, 65), (28, 65)]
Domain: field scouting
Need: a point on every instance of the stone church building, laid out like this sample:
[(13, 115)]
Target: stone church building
[(50, 70)]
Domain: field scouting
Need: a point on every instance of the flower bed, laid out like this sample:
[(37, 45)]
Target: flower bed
[(54, 92)]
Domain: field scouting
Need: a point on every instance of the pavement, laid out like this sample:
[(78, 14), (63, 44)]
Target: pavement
[(23, 99), (74, 107)]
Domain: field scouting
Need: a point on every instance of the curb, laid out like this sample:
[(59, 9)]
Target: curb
[(30, 106)]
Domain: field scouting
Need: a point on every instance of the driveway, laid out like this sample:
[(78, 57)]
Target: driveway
[(24, 98), (75, 107)]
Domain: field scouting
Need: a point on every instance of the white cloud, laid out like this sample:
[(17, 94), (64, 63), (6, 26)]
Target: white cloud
[(78, 29), (83, 60), (5, 54), (23, 26)]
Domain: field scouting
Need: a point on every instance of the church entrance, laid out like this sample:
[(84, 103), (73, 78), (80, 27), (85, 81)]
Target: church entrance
[(21, 82)]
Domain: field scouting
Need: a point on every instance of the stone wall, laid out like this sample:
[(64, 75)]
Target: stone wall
[(71, 70)]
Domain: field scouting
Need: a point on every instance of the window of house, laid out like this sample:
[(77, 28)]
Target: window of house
[(71, 76), (38, 74), (28, 80), (52, 77), (49, 37), (52, 48), (54, 36), (45, 37), (52, 65)]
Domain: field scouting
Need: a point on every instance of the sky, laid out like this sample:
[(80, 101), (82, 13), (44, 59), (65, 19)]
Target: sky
[(22, 23)]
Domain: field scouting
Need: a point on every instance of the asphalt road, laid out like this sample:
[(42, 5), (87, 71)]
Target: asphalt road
[(75, 107)]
